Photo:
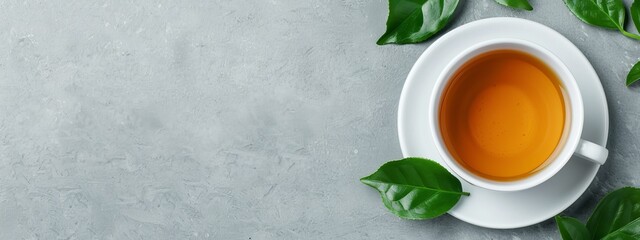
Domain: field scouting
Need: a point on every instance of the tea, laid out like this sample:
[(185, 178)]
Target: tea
[(503, 115)]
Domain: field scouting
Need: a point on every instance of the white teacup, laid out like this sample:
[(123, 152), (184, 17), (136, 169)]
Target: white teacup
[(570, 143)]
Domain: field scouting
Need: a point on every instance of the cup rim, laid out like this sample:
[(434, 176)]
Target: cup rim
[(572, 96)]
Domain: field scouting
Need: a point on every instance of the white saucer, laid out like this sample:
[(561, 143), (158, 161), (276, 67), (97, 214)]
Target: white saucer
[(493, 209)]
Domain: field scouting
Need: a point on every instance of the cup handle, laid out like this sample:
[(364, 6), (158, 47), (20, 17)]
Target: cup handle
[(592, 152)]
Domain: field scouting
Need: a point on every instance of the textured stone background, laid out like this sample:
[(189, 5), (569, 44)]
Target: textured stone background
[(235, 119)]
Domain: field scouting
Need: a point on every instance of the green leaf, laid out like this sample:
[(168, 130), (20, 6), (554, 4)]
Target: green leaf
[(572, 229), (635, 13), (614, 211), (416, 188), (634, 74), (412, 21), (519, 4), (630, 231), (602, 13)]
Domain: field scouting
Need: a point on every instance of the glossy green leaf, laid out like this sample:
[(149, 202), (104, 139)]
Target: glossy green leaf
[(634, 74), (602, 13), (519, 4), (614, 211), (412, 21), (572, 229), (630, 231), (635, 13), (416, 188)]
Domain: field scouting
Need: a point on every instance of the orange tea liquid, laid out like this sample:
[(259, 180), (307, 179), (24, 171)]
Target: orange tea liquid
[(502, 115)]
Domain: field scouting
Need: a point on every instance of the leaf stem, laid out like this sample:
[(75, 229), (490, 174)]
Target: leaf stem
[(465, 193), (629, 35)]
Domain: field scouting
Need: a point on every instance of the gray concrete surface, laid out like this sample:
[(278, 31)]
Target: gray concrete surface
[(235, 119)]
